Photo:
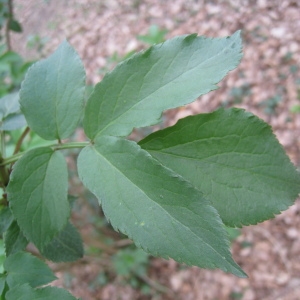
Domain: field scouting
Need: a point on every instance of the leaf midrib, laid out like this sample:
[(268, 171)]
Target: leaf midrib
[(229, 167)]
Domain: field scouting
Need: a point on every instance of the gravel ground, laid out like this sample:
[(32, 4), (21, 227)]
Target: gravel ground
[(267, 83)]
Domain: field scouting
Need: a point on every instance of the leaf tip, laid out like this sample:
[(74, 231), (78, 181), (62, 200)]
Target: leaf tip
[(190, 38), (240, 273)]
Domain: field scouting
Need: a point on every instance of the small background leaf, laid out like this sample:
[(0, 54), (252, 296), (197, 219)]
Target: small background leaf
[(37, 194), (52, 94), (9, 104), (13, 122), (25, 292), (234, 158), (130, 261), (65, 247), (11, 117), (15, 241), (14, 25), (6, 218)]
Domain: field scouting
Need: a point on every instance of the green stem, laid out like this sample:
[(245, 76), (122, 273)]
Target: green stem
[(69, 145), (10, 159), (55, 147), (3, 172), (7, 29), (2, 137)]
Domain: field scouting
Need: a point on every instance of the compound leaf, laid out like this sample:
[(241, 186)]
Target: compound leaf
[(234, 158), (15, 240), (37, 193), (160, 211), (23, 268), (65, 247), (165, 76), (26, 292), (52, 94)]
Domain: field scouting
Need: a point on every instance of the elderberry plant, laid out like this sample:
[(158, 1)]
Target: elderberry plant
[(172, 193)]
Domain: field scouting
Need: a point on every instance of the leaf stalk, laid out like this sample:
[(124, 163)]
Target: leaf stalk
[(15, 157), (21, 139)]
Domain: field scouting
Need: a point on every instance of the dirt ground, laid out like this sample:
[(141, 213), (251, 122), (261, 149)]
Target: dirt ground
[(267, 82)]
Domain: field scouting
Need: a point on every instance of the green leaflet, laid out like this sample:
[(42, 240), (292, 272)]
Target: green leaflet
[(10, 114), (234, 158), (65, 247), (2, 283), (23, 268), (158, 209), (14, 25), (25, 292), (13, 122), (9, 104), (6, 218), (130, 261), (37, 194), (165, 76), (15, 241), (52, 94)]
